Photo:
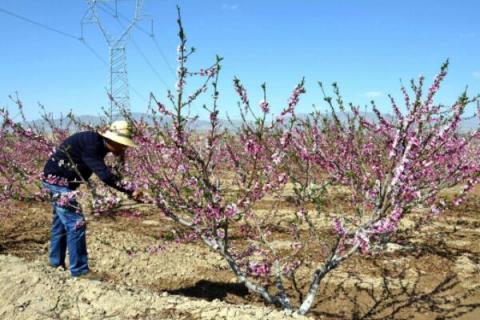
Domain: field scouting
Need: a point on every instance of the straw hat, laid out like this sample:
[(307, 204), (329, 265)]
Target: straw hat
[(121, 132)]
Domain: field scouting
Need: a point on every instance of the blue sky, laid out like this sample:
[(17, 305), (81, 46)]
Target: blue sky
[(366, 46)]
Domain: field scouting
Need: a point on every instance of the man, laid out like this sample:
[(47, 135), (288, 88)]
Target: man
[(72, 164)]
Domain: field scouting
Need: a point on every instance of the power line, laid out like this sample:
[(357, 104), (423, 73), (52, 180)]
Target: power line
[(157, 45), (144, 57), (141, 96), (71, 36), (42, 25), (51, 29), (149, 64), (150, 34), (104, 7), (99, 57), (113, 13)]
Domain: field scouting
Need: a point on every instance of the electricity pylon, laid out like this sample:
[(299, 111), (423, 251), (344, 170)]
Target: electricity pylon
[(118, 77)]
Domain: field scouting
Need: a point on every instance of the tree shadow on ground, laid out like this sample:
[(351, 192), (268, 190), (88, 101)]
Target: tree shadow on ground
[(210, 290), (398, 296)]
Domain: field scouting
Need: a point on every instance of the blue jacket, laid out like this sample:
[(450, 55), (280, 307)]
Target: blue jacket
[(87, 150)]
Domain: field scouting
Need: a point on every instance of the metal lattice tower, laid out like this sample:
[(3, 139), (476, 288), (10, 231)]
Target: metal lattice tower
[(118, 77)]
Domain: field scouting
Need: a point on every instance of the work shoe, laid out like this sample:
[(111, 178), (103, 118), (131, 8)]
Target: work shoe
[(60, 267), (92, 275)]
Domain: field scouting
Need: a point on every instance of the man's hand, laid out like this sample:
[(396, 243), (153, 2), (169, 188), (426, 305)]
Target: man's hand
[(137, 195)]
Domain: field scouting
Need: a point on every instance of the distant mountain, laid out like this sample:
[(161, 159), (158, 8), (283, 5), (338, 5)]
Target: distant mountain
[(466, 125), (470, 124), (199, 125)]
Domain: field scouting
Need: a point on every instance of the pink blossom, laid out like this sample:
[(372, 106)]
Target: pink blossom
[(282, 178), (302, 213), (231, 211), (79, 224), (264, 106), (213, 116), (277, 157), (65, 199), (286, 139), (362, 239), (289, 267), (435, 210), (296, 246), (252, 147), (339, 228), (240, 89), (259, 269)]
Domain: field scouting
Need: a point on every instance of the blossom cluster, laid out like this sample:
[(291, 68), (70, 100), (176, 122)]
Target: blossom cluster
[(105, 204)]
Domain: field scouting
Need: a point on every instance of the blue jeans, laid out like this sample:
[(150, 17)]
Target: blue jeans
[(68, 231)]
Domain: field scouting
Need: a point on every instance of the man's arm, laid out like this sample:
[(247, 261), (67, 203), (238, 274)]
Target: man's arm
[(98, 166)]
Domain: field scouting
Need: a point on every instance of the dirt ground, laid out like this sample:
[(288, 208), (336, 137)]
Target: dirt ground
[(433, 273)]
